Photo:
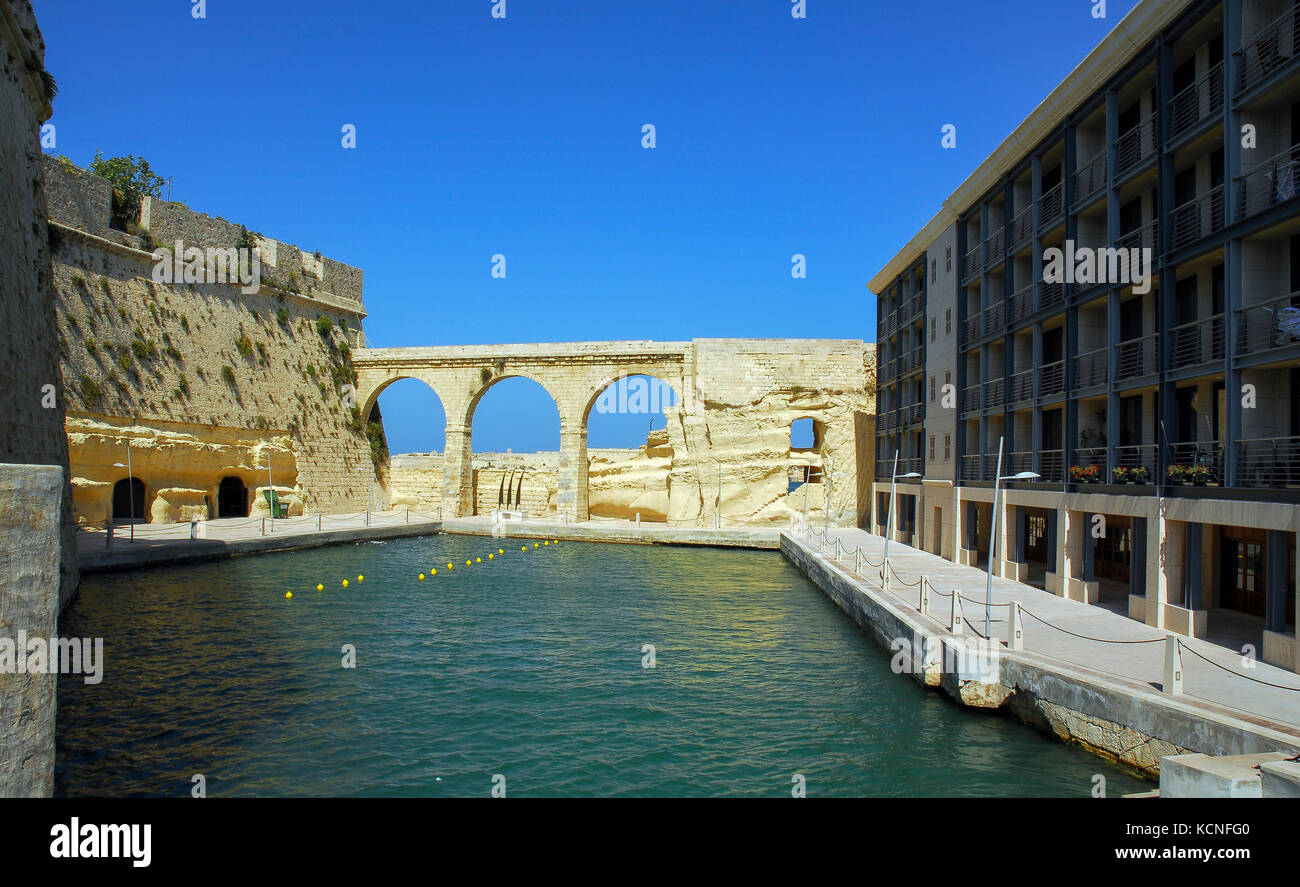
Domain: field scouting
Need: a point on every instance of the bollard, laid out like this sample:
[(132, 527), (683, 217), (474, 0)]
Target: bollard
[(408, 514), (1173, 666), (638, 519), (318, 523), (924, 605), (108, 537), (958, 621), (367, 517), (263, 526), (1015, 629), (439, 512), (857, 560)]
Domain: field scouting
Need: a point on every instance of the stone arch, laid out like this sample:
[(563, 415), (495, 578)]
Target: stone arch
[(487, 385), (484, 480), (128, 502), (369, 396), (639, 486), (594, 394)]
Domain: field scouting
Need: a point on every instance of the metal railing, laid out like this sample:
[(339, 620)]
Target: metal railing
[(970, 468), (1146, 237), (1091, 368), (1269, 325), (1022, 303), (1136, 145), (1200, 101), (995, 247), (1138, 357), (1138, 456), (1052, 377), (1051, 465), (1022, 387), (1200, 341), (1200, 453), (1269, 462), (995, 393), (971, 328), (1269, 183), (970, 399), (1090, 178), (1198, 218), (1022, 227), (1051, 294), (1269, 51), (970, 264), (1085, 457), (995, 316), (1051, 205), (1020, 461)]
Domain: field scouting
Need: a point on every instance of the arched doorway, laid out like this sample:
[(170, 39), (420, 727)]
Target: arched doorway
[(128, 500), (515, 443), (232, 498), (628, 449)]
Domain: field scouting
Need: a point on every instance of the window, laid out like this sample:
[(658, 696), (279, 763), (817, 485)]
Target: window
[(947, 321), (934, 327), (932, 448), (932, 389), (934, 270), (947, 377), (804, 434), (947, 258), (947, 445)]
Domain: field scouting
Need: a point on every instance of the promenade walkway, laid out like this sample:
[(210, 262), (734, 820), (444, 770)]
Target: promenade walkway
[(1070, 631)]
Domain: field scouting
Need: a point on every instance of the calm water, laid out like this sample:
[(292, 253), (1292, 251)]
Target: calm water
[(530, 667)]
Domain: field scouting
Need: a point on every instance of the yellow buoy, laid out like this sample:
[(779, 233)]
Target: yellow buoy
[(501, 551), (361, 578), (490, 556), (478, 560), (449, 566), (288, 594), (546, 543), (555, 541), (421, 577), (320, 587), (534, 545), (523, 547), (468, 563), (345, 583), (433, 572)]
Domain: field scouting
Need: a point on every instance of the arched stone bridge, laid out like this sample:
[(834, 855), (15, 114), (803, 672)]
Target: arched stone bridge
[(730, 427), (574, 374)]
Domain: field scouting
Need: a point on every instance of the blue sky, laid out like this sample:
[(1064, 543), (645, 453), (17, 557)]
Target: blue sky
[(522, 136)]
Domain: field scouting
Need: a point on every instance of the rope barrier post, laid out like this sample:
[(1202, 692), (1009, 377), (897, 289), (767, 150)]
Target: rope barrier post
[(263, 526), (924, 605), (857, 560), (367, 517), (408, 514), (108, 536), (318, 523), (1173, 683), (1015, 629), (958, 621)]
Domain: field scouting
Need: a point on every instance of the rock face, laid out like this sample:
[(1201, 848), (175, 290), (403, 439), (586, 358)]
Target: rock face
[(203, 381), (726, 450)]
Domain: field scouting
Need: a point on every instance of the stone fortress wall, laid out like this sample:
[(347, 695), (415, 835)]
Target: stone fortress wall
[(726, 446), (203, 381)]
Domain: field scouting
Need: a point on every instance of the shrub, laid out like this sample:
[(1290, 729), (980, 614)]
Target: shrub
[(324, 326), (89, 390), (132, 180), (345, 349), (244, 344), (78, 279), (228, 375), (104, 285), (90, 347), (282, 317), (125, 362), (183, 386), (1176, 473)]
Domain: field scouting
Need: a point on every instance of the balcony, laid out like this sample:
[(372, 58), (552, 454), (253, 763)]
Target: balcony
[(1022, 387), (1052, 294), (1135, 146), (1269, 325), (1018, 462), (1200, 341), (1051, 465), (1138, 357), (995, 393), (970, 468), (1138, 456), (1087, 457), (912, 413), (912, 360), (995, 317), (1090, 369), (910, 464), (1090, 179), (1051, 206), (1022, 228), (970, 399), (1269, 51), (1201, 453), (1053, 378), (970, 264), (1269, 462), (1022, 303), (1198, 218), (995, 247), (1200, 101), (1270, 183), (1146, 237), (970, 330)]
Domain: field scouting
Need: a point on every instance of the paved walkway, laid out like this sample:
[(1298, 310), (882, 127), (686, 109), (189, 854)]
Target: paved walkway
[(1075, 632)]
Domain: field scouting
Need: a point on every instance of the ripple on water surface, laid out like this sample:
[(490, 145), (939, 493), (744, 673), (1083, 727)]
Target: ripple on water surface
[(529, 666)]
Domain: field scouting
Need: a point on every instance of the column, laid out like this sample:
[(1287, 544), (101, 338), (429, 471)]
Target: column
[(572, 495), (1137, 582), (457, 474), (1192, 549)]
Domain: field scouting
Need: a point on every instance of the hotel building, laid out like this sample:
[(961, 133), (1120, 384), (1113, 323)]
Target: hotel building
[(1162, 417)]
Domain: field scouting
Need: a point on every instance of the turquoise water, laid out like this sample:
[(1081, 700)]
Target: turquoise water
[(530, 667)]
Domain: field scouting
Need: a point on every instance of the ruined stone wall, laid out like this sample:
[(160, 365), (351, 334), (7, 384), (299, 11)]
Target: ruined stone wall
[(32, 430), (203, 380)]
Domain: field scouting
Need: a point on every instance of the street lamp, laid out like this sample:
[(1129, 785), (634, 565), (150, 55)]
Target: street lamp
[(130, 485), (889, 521), (993, 533), (270, 482)]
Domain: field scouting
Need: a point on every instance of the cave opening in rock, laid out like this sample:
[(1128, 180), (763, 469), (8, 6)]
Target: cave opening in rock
[(232, 498), (128, 500)]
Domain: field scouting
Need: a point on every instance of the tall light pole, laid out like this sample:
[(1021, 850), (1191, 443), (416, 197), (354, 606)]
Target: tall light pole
[(889, 520), (271, 484), (130, 485), (993, 533)]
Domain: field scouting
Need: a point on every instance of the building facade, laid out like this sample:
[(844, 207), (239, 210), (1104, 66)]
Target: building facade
[(1113, 301)]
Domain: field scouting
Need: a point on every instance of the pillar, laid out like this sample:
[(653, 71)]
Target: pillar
[(1137, 582), (1070, 578), (572, 495), (457, 474), (1280, 648), (1192, 547)]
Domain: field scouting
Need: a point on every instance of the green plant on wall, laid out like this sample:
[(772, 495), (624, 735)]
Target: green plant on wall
[(132, 179)]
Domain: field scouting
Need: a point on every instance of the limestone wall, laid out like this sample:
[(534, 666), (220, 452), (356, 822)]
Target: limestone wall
[(32, 430), (204, 381)]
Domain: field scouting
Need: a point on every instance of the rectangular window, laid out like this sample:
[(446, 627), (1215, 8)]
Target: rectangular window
[(947, 377), (947, 321), (947, 258), (934, 270), (934, 327), (932, 389), (947, 446), (932, 448)]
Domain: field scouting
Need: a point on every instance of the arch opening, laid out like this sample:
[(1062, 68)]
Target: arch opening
[(128, 500), (232, 498), (514, 444), (629, 452)]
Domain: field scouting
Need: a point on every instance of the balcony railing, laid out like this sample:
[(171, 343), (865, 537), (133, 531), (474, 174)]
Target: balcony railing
[(910, 464), (1268, 51), (1201, 453), (1136, 145), (1090, 369), (995, 317), (970, 264), (995, 393), (1269, 183), (1269, 462), (1138, 456), (1022, 227), (1138, 357), (1022, 303), (1200, 101), (1090, 178), (1198, 218), (1022, 387), (971, 328), (995, 246), (1200, 341), (1051, 206), (1053, 378), (1086, 456), (1051, 294), (1146, 237), (1051, 465), (970, 399), (1269, 325), (970, 468), (1018, 462)]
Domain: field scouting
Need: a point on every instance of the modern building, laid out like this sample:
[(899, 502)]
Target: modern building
[(1160, 403)]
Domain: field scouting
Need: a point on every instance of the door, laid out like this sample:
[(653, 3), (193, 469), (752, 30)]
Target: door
[(1243, 585)]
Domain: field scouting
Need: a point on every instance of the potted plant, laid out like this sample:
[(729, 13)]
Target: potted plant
[(1176, 474), (1139, 475), (1120, 475), (1085, 474), (1200, 475)]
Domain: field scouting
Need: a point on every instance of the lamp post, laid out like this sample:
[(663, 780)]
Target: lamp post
[(270, 482), (130, 485), (993, 533), (889, 520)]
